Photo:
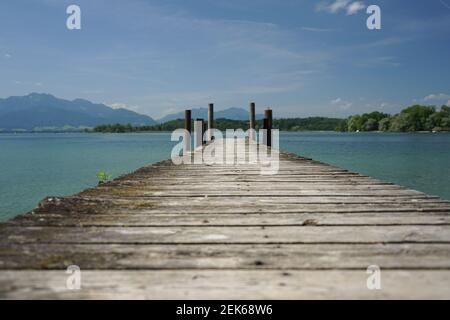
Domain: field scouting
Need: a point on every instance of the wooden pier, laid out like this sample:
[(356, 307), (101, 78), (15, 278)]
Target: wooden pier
[(228, 232)]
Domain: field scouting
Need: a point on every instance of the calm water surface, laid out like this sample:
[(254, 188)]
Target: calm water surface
[(33, 166), (417, 160)]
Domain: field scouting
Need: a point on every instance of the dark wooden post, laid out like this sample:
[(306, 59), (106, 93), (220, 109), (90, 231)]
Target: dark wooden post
[(268, 116), (187, 127), (205, 127), (210, 121), (252, 115), (265, 126), (199, 132), (251, 112), (187, 121)]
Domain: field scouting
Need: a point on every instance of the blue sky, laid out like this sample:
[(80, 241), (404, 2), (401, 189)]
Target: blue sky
[(302, 58)]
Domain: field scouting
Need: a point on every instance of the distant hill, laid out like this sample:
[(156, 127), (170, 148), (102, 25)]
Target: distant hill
[(37, 110), (230, 113)]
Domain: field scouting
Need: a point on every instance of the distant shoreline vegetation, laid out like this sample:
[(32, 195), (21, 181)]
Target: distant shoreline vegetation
[(64, 129), (293, 124), (412, 119), (416, 118)]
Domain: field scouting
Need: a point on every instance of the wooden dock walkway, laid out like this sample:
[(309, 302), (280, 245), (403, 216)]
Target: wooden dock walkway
[(228, 232)]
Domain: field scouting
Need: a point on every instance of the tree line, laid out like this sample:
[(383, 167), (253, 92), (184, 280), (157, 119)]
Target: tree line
[(293, 124), (411, 119)]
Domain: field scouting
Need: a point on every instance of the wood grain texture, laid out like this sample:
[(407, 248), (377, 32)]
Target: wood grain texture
[(225, 256), (226, 284), (229, 232)]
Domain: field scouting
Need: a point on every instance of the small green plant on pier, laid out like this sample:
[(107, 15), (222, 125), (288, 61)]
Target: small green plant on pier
[(103, 177)]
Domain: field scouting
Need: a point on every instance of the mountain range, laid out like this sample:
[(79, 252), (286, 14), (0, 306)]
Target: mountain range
[(40, 111)]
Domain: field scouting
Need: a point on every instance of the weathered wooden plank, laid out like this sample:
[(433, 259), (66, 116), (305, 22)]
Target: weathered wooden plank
[(137, 218), (229, 256), (202, 205), (236, 199), (257, 173), (290, 188), (166, 182), (275, 234), (261, 194), (248, 178), (143, 192), (236, 185), (225, 284)]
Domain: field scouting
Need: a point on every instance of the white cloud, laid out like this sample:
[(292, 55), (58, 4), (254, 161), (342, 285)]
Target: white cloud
[(332, 7), (448, 102), (338, 5), (28, 83), (336, 101), (388, 106), (445, 4), (313, 29), (379, 61), (355, 7), (7, 56), (341, 5), (117, 105), (342, 104), (436, 96), (120, 105)]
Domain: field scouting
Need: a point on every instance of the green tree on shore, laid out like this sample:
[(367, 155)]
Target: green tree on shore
[(414, 118)]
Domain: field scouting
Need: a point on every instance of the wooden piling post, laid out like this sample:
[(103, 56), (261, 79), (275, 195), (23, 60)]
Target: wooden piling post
[(252, 135), (268, 116), (199, 132), (265, 131), (210, 121), (187, 120), (187, 127)]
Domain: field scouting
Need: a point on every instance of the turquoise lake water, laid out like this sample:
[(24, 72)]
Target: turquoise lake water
[(33, 166)]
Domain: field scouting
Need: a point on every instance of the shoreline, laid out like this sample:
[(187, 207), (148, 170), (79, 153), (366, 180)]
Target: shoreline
[(283, 131)]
